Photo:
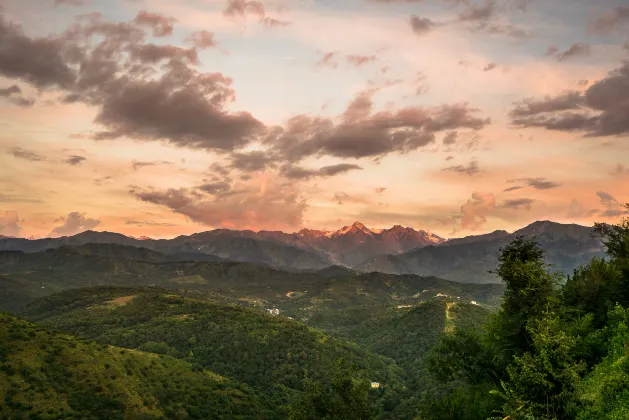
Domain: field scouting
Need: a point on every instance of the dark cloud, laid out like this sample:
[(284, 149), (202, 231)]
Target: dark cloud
[(603, 110), (272, 205), (160, 24), (450, 138), (359, 60), (612, 20), (21, 153), (518, 203), (202, 40), (421, 25), (295, 172), (74, 223), (537, 183), (490, 67), (74, 160), (613, 208), (148, 223), (361, 133), (563, 102), (474, 12), (448, 158), (142, 91), (251, 161), (380, 190), (138, 165), (576, 50), (470, 169), (215, 188), (517, 187), (38, 61), (10, 224), (13, 94)]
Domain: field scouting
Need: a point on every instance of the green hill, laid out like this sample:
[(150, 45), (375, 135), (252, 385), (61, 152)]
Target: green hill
[(45, 374), (272, 354)]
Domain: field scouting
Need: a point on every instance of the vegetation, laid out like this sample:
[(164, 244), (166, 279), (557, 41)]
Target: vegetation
[(49, 375), (272, 354), (554, 349)]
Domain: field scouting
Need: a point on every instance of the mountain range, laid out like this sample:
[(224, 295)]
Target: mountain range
[(398, 250)]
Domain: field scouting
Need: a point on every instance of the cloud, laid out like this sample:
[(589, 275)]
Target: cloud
[(13, 94), (21, 153), (610, 21), (359, 60), (603, 110), (267, 204), (138, 165), (620, 170), (449, 158), (517, 187), (576, 210), (215, 188), (517, 203), (294, 172), (17, 53), (576, 50), (161, 25), (202, 40), (380, 190), (450, 138), (537, 183), (475, 211), (341, 198), (360, 133), (148, 223), (75, 3), (613, 208), (10, 224), (328, 59), (421, 25), (470, 169), (474, 12), (142, 91), (490, 67), (74, 223), (243, 8), (74, 160)]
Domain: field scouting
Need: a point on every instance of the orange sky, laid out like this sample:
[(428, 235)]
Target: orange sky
[(287, 114)]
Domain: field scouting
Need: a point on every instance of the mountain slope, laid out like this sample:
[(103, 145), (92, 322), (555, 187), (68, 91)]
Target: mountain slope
[(469, 259), (269, 353), (25, 276), (45, 374)]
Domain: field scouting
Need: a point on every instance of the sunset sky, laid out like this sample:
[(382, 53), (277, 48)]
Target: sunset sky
[(162, 118)]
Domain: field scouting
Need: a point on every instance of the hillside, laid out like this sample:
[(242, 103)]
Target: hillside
[(31, 275), (45, 374), (269, 353), (469, 259)]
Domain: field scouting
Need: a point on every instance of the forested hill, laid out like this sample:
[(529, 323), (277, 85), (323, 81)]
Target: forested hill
[(48, 375), (272, 354)]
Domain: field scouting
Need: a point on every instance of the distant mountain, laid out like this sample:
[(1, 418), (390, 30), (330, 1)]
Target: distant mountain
[(304, 250), (469, 259)]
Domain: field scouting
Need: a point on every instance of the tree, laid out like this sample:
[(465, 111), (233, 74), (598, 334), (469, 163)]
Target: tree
[(344, 398)]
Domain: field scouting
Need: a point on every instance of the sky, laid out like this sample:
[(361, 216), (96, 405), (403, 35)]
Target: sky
[(159, 118)]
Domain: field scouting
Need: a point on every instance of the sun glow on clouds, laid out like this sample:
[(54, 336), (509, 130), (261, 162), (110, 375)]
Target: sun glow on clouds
[(319, 81)]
